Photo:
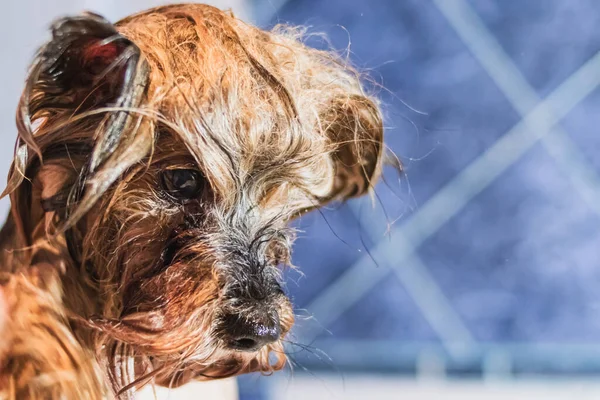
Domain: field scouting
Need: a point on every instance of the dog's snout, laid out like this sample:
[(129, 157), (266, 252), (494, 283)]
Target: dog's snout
[(251, 334)]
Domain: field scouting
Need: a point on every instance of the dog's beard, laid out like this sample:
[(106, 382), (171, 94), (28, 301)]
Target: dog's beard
[(172, 341)]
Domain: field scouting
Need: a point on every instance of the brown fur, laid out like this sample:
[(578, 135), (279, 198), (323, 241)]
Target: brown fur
[(94, 309)]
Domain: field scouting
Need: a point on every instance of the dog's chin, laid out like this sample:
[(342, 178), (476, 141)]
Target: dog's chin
[(222, 363)]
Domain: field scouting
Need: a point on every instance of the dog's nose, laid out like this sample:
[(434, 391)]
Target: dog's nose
[(251, 335)]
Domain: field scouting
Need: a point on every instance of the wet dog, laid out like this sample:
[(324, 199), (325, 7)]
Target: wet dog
[(158, 164)]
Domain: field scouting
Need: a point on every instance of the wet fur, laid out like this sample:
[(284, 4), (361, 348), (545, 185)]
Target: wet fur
[(110, 283)]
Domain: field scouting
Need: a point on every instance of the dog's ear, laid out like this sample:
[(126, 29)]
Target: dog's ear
[(76, 102), (355, 127), (86, 65)]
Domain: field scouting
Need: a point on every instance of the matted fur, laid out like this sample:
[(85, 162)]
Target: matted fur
[(109, 282)]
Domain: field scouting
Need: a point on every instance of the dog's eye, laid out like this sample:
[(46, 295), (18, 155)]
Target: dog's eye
[(182, 183)]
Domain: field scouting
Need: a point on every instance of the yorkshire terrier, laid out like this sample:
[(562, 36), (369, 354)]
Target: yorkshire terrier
[(158, 163)]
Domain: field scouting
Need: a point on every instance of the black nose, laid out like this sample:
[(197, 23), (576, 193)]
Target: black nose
[(250, 334)]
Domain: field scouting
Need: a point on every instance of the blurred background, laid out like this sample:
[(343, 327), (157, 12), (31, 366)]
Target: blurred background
[(476, 274)]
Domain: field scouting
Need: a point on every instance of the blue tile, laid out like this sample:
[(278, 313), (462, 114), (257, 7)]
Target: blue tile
[(520, 262), (547, 39)]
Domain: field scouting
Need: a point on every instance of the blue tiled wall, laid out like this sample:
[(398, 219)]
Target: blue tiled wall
[(517, 262)]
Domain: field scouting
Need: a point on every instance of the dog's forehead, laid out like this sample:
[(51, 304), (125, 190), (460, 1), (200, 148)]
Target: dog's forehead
[(202, 60)]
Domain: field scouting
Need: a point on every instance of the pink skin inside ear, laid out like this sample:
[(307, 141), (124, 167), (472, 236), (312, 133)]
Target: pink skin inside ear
[(98, 56)]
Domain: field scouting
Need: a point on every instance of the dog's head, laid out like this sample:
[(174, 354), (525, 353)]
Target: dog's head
[(167, 154)]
